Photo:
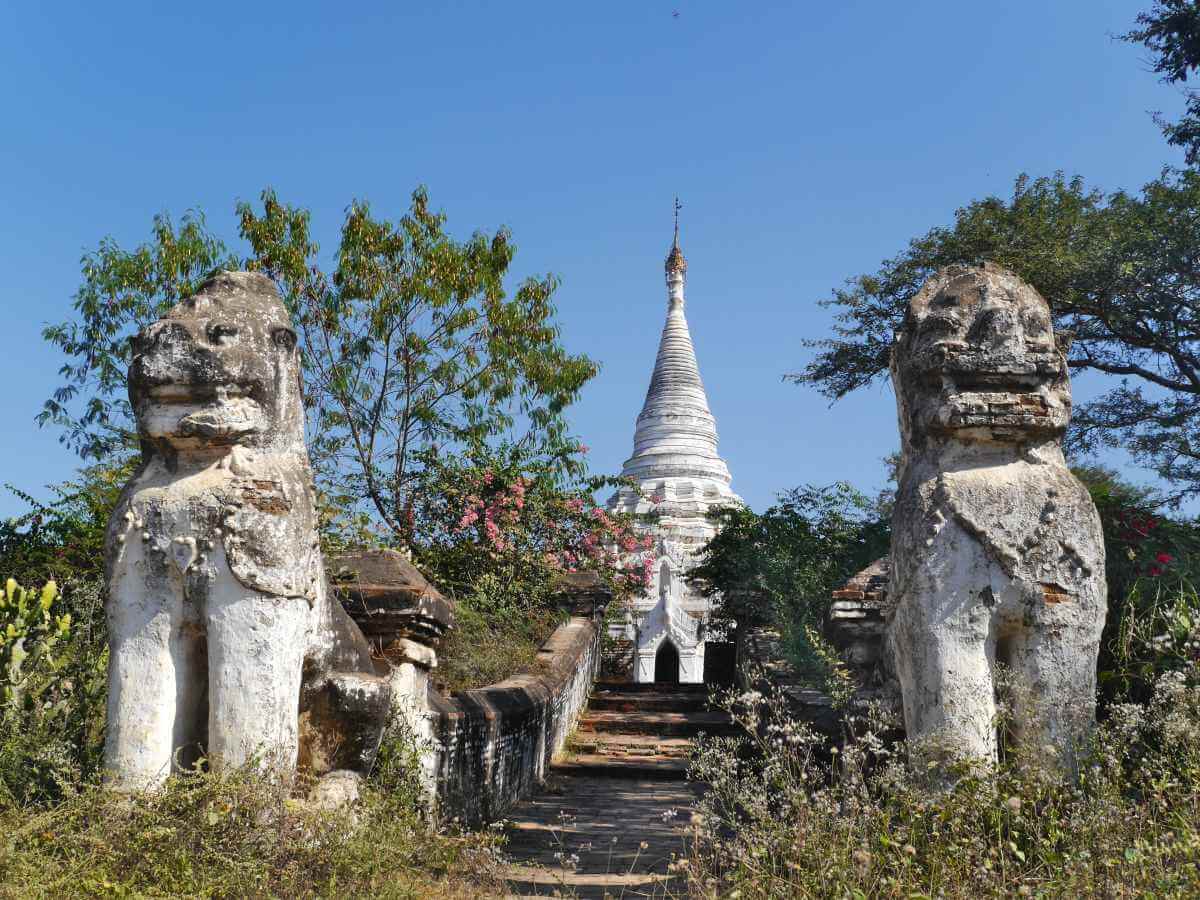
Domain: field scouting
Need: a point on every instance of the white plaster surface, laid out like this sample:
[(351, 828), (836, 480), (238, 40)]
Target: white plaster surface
[(997, 551)]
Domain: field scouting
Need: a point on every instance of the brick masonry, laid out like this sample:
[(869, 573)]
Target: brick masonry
[(494, 744)]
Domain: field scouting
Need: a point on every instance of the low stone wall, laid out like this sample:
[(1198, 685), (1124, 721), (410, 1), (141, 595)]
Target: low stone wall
[(855, 627), (480, 750), (494, 744), (762, 666)]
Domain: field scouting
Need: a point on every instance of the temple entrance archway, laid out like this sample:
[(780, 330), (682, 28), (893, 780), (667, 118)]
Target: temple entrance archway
[(666, 664)]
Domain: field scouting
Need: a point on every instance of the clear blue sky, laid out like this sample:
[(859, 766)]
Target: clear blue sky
[(808, 141)]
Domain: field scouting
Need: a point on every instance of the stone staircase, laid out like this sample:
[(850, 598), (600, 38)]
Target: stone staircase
[(613, 813)]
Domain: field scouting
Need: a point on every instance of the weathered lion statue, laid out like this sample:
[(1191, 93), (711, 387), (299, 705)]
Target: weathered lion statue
[(226, 641), (997, 552)]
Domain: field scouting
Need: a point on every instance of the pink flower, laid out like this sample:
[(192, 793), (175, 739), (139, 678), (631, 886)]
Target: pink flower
[(469, 518), (493, 533), (488, 477), (575, 504), (583, 448)]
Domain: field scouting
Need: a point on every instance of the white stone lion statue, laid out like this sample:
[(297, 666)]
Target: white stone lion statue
[(997, 550), (225, 640)]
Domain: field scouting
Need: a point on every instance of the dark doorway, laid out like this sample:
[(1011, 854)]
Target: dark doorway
[(666, 664)]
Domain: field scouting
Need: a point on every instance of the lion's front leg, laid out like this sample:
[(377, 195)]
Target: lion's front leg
[(256, 646), (156, 672)]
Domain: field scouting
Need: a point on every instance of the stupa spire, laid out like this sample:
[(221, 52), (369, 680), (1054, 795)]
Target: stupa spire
[(675, 260), (676, 435), (679, 476)]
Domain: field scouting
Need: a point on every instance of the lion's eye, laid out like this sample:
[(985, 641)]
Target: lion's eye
[(284, 338), (222, 334)]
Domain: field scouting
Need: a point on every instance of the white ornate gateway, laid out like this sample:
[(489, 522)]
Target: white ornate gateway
[(680, 476)]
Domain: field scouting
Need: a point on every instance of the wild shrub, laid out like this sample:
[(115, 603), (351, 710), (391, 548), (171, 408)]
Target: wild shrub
[(237, 835), (52, 669), (786, 818)]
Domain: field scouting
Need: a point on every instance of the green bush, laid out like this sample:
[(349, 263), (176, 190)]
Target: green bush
[(779, 567), (52, 692)]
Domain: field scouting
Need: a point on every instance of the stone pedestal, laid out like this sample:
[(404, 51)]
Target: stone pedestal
[(404, 618)]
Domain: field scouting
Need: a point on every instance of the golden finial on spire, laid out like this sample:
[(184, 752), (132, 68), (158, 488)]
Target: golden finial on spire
[(675, 260)]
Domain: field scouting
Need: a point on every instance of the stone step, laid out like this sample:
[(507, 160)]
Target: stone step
[(635, 744), (599, 765), (548, 881), (670, 724), (649, 687), (628, 701)]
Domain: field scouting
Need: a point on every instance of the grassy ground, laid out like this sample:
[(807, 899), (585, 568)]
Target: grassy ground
[(485, 649), (205, 836)]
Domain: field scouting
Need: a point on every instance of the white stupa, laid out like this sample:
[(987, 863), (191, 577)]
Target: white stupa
[(680, 476)]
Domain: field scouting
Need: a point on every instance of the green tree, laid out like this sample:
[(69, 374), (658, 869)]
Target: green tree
[(1171, 31), (778, 568), (1119, 271), (411, 341)]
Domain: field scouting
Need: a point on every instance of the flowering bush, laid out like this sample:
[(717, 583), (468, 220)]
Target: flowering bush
[(505, 514), (1152, 568), (496, 530)]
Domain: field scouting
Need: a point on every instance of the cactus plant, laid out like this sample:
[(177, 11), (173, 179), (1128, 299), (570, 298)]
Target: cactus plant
[(29, 633)]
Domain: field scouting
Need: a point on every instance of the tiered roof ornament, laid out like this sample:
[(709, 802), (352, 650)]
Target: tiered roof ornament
[(676, 434)]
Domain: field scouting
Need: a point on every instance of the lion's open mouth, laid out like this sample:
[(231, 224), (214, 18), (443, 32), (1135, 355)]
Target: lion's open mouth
[(196, 394), (997, 383)]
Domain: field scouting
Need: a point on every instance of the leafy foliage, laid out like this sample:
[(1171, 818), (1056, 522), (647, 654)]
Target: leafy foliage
[(28, 635), (1152, 568), (1117, 271), (1171, 31), (411, 342), (413, 345), (778, 568), (52, 687)]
